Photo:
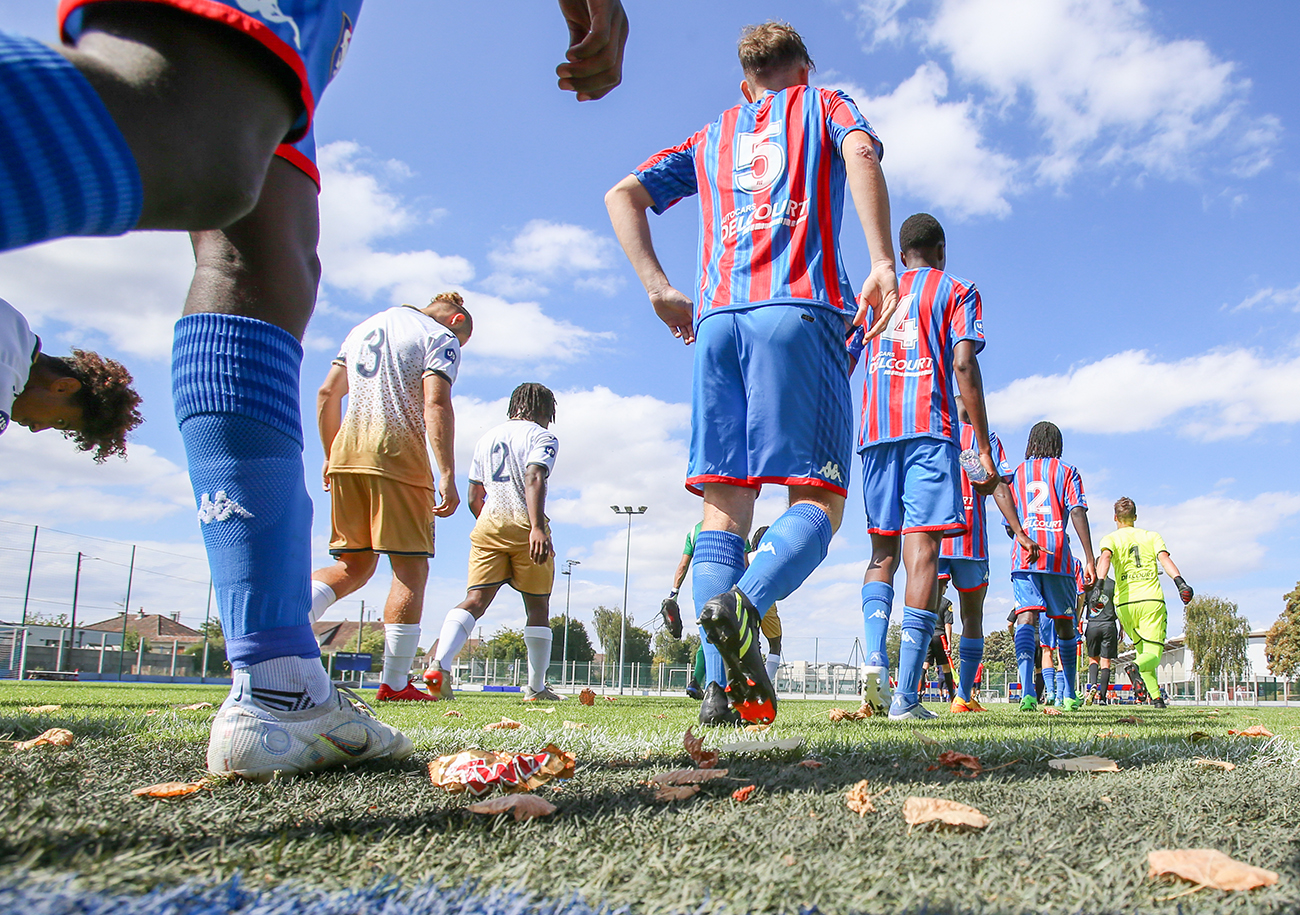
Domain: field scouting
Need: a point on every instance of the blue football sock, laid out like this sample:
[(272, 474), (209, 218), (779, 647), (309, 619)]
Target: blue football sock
[(1026, 640), (66, 169), (717, 565), (235, 387), (792, 548), (877, 600), (1049, 684), (971, 652), (918, 629), (1069, 668)]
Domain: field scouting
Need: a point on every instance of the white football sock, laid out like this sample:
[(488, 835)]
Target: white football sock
[(286, 684), (400, 642), (773, 662), (455, 633), (322, 598), (538, 640)]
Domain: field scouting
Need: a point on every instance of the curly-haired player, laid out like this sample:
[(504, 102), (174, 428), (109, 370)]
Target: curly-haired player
[(85, 396)]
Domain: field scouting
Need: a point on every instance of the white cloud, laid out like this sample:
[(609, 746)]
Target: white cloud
[(1215, 395), (43, 476), (544, 252), (360, 213), (1271, 298), (934, 149), (128, 291), (1103, 87)]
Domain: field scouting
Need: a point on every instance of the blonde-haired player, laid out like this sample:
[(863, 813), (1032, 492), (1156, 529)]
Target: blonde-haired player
[(1137, 556), (396, 369), (511, 542)]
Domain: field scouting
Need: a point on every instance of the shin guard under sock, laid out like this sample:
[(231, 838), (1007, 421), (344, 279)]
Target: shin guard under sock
[(971, 652), (1066, 676), (66, 169), (918, 629), (401, 640), (1026, 642), (719, 562), (792, 549), (235, 388), (877, 600), (538, 641)]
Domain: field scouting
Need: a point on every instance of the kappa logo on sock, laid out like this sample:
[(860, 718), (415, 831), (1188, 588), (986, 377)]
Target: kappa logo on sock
[(220, 508), (906, 637), (831, 471), (878, 615), (765, 547)]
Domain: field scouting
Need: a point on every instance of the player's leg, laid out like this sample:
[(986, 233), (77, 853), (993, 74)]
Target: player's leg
[(1150, 618), (882, 497), (489, 569), (920, 559), (179, 114), (534, 582), (771, 629), (351, 542), (693, 688), (1067, 650), (971, 606), (1028, 602), (402, 612), (1108, 652), (1046, 642)]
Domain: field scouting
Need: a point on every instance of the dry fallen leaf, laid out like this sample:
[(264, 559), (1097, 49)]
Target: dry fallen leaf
[(676, 792), (789, 860), (453, 714), (170, 789), (687, 776), (1198, 735), (811, 764), (1084, 764), (40, 709), (743, 794), (54, 737), (961, 763), (918, 810), (611, 698), (705, 759), (757, 727), (1129, 719), (661, 716), (1213, 763), (505, 724), (1255, 730), (1208, 867), (574, 725), (839, 714), (587, 697), (152, 711), (1051, 710), (860, 800), (523, 806), (197, 706)]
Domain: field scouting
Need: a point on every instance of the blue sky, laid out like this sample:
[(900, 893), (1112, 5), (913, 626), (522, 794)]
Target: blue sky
[(1119, 180)]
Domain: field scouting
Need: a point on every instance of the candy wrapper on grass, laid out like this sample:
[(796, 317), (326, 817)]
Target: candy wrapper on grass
[(479, 771)]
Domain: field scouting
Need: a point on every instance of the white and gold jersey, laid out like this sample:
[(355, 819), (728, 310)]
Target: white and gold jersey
[(500, 459), (17, 350), (387, 358)]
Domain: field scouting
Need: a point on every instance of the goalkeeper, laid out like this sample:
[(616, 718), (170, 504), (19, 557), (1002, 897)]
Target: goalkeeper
[(1137, 557)]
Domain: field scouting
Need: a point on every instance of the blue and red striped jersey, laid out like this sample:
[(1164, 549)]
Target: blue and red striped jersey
[(1046, 490), (909, 390), (770, 176), (974, 543)]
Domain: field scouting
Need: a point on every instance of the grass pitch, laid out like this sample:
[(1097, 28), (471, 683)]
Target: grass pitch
[(1057, 841)]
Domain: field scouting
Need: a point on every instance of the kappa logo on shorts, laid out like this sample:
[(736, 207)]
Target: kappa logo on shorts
[(220, 508), (831, 471), (271, 12)]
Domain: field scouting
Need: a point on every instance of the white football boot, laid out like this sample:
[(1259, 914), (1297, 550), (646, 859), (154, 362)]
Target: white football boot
[(875, 690), (256, 743)]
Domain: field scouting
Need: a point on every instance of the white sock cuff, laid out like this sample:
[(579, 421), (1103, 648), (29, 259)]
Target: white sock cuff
[(538, 632), (322, 598), (462, 618)]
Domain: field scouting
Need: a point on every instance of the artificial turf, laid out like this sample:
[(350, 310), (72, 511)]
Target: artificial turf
[(1066, 842)]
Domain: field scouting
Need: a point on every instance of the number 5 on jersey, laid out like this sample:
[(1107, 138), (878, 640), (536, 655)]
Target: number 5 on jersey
[(759, 161)]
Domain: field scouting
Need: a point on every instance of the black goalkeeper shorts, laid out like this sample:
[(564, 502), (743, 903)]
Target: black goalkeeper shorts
[(1102, 639)]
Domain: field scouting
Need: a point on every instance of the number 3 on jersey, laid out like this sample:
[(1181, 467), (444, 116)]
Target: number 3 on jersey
[(759, 161)]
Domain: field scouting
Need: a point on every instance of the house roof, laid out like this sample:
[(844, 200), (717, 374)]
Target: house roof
[(149, 626), (341, 635)]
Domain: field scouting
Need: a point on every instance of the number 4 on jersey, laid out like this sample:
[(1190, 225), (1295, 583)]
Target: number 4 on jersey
[(904, 329)]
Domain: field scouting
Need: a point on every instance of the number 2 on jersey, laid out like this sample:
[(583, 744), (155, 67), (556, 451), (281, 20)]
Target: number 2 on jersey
[(1037, 492), (500, 454)]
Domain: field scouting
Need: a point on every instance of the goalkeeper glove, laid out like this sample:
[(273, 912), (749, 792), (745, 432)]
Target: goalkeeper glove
[(1184, 590)]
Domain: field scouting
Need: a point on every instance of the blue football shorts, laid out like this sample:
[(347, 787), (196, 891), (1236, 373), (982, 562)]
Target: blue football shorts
[(912, 484), (1051, 595), (770, 400), (1047, 632), (965, 574), (311, 37)]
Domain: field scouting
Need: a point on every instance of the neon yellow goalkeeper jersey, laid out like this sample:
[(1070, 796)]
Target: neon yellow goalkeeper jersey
[(1133, 553)]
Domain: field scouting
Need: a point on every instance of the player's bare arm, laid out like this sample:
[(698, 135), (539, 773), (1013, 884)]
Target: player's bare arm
[(627, 203), (866, 182), (539, 541), (1006, 504), (970, 384), (1079, 515), (477, 498), (440, 426), (1185, 592), (329, 413), (594, 60), (1103, 565), (680, 574)]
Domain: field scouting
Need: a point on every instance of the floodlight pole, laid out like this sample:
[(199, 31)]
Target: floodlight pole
[(126, 614), (627, 563), (564, 658), (31, 562), (72, 631), (207, 617)]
